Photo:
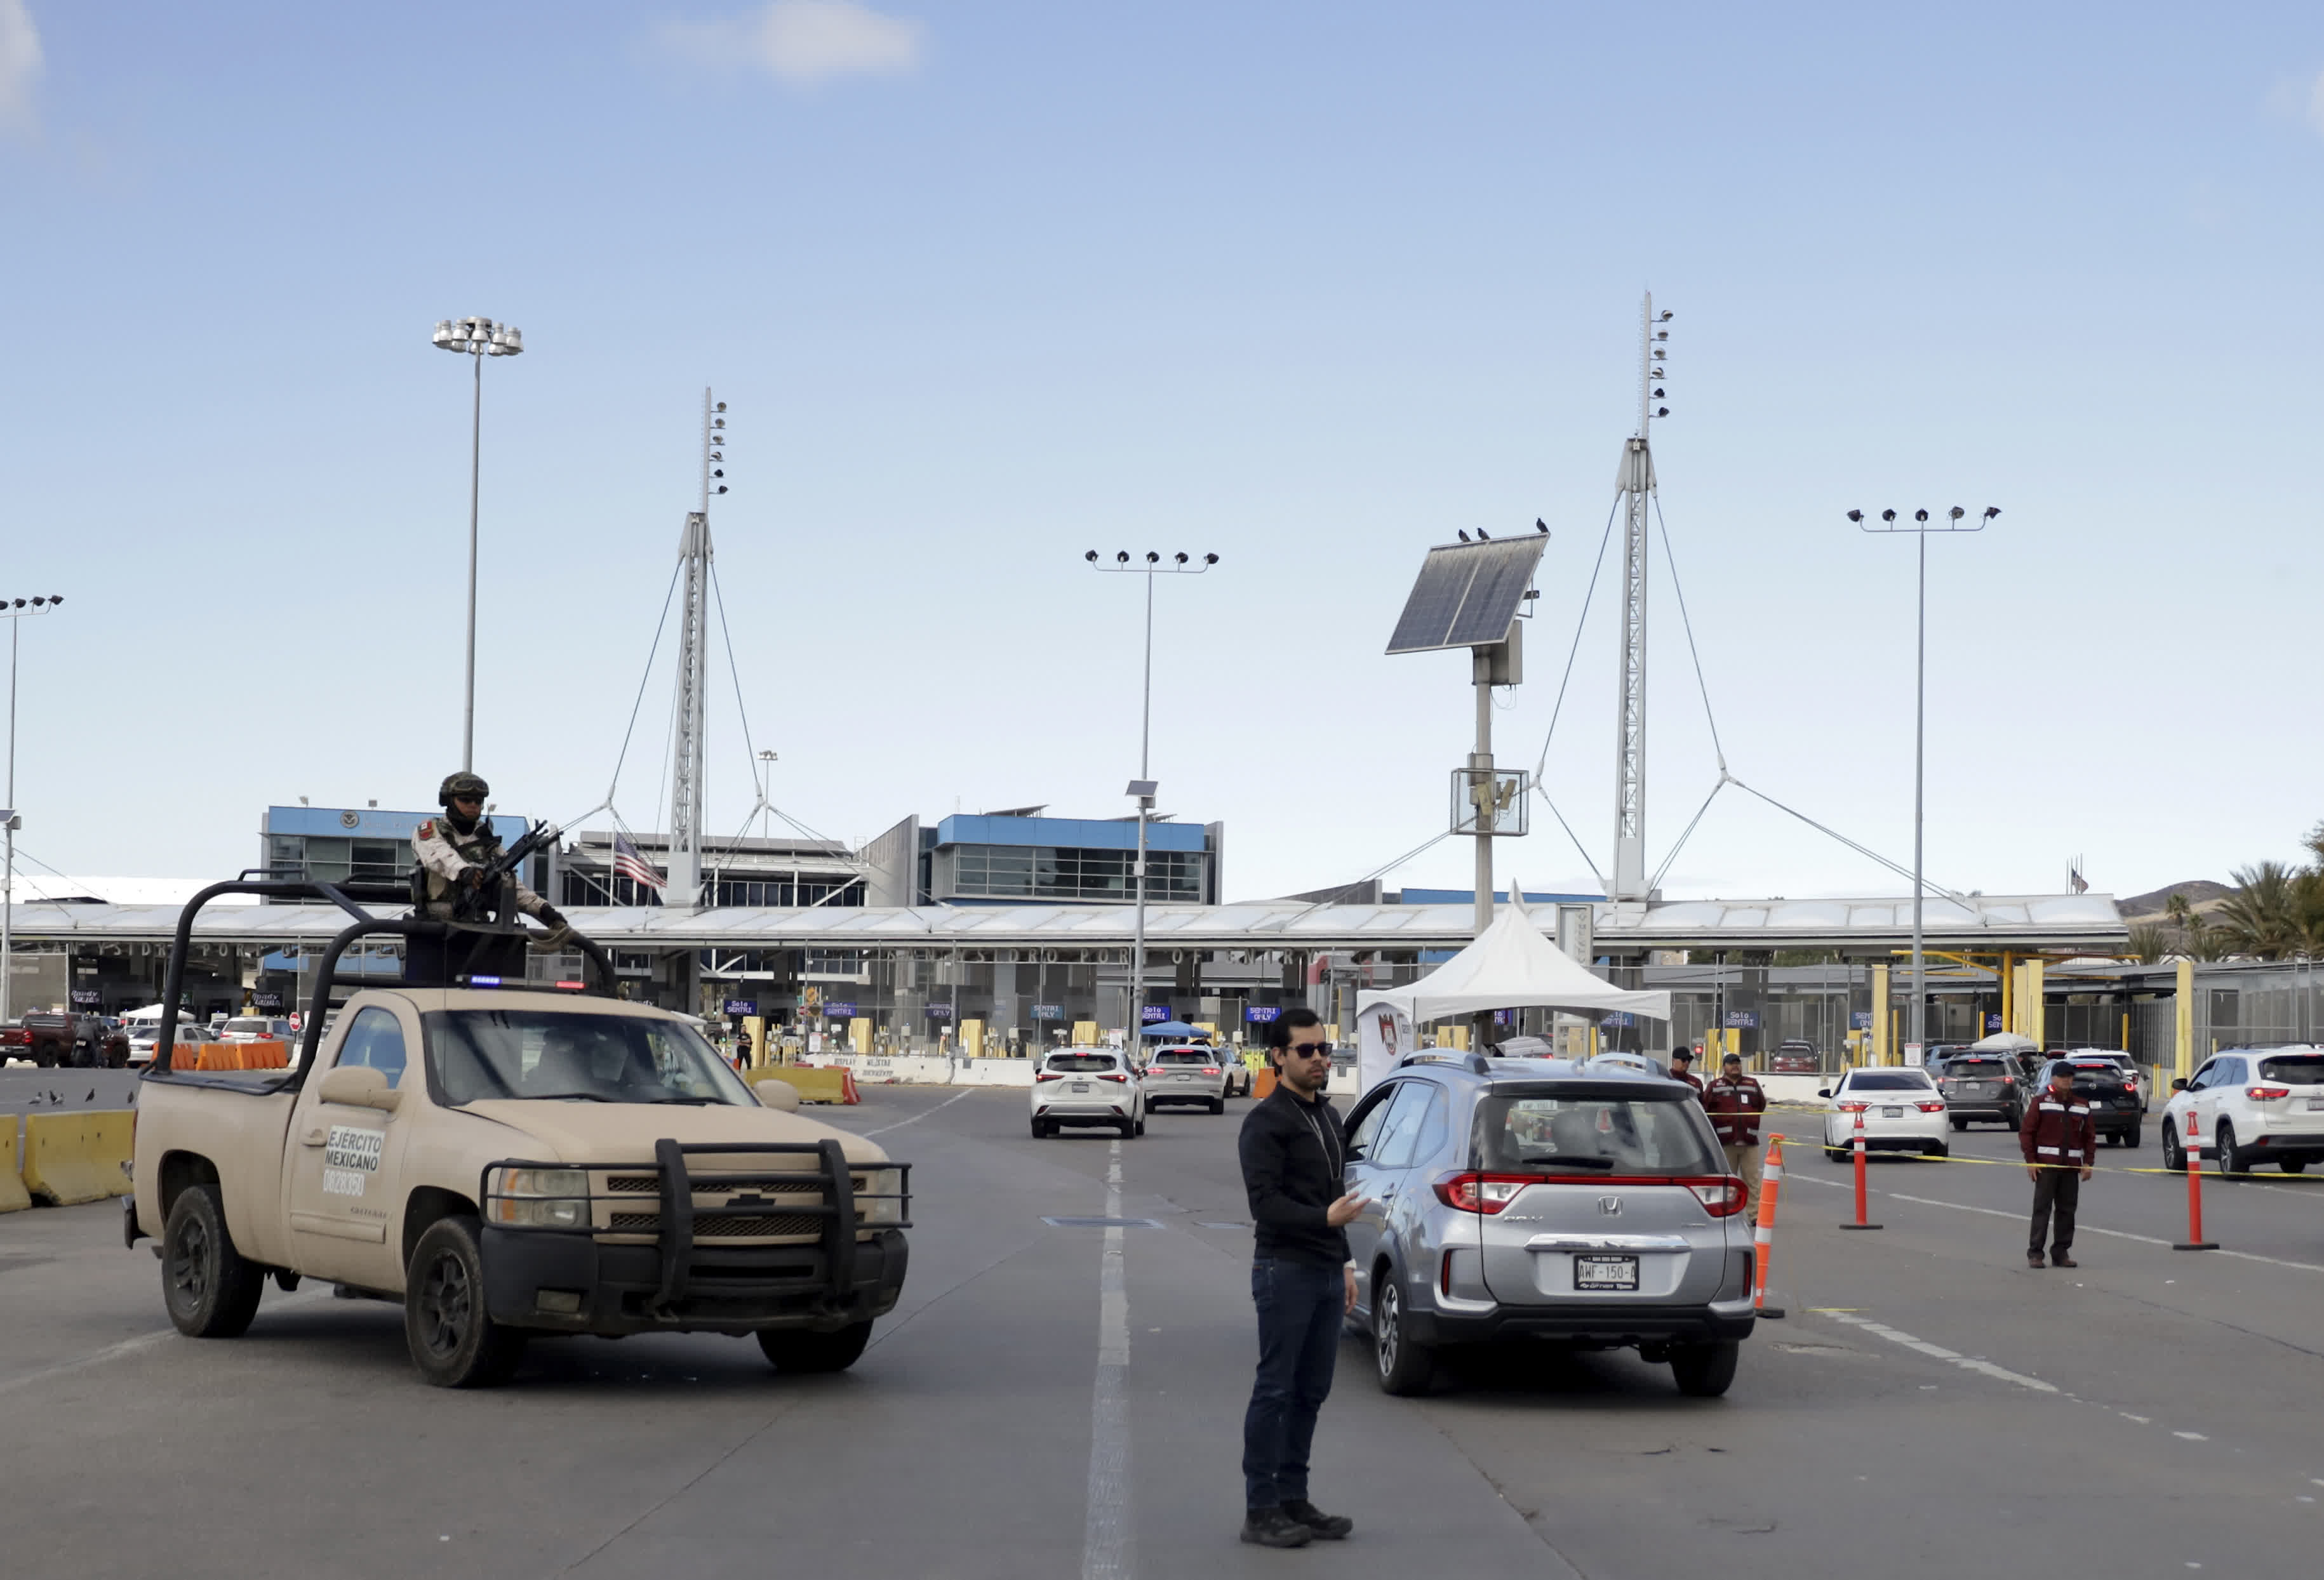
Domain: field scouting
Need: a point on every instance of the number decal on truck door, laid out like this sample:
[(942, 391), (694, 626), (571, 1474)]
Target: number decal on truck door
[(350, 1157)]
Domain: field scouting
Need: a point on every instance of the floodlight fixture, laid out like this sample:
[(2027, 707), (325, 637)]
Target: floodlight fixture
[(1956, 512), (1091, 556), (1991, 512), (1856, 516)]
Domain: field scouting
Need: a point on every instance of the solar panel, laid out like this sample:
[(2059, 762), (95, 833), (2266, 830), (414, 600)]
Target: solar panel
[(1467, 594)]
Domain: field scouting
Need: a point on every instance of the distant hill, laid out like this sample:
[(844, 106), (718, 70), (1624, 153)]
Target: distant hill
[(2201, 893)]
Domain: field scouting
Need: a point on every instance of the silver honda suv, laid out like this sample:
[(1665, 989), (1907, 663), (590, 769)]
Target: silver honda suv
[(1528, 1198)]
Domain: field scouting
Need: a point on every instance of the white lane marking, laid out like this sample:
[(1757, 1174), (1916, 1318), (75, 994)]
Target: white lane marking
[(923, 1114), (2141, 1420), (129, 1347), (1938, 1352), (2191, 1437), (1105, 1530), (2093, 1229)]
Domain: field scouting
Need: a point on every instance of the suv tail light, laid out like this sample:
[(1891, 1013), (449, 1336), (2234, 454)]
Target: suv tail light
[(1853, 1107), (1210, 1070), (2266, 1094), (1049, 1075), (1115, 1076), (1485, 1194), (1930, 1107), (1720, 1197)]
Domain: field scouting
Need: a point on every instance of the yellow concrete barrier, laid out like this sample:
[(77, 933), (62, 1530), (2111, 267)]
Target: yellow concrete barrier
[(14, 1197), (813, 1084), (77, 1157)]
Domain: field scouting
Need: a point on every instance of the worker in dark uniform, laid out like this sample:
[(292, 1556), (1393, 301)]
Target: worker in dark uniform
[(1735, 1102), (2060, 1140), (1681, 1067)]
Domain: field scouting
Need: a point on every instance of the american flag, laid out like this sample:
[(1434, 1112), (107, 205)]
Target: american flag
[(629, 864)]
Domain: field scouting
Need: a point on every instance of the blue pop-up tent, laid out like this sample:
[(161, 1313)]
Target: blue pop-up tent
[(1175, 1029)]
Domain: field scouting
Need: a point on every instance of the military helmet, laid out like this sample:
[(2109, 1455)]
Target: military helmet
[(467, 785)]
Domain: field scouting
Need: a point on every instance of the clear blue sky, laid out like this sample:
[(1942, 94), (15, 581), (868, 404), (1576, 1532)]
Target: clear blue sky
[(1310, 286)]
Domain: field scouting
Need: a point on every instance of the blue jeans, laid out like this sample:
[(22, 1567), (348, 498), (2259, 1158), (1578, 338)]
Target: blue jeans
[(1300, 1308)]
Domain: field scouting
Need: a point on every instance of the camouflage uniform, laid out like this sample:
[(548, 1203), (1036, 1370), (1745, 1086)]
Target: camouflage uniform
[(445, 853)]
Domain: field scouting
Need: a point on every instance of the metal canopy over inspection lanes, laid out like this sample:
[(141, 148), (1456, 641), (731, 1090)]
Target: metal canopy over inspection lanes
[(1871, 924)]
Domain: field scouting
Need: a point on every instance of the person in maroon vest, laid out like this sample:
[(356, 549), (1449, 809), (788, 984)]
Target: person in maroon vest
[(2060, 1140), (1735, 1102), (1681, 1067)]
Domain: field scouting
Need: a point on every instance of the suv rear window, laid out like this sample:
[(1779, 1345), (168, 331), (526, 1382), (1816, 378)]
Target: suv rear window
[(1183, 1056), (1597, 1135), (2294, 1069), (1979, 1065), (1081, 1063)]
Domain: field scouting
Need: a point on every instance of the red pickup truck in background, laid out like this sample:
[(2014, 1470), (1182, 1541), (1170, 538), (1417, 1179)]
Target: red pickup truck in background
[(77, 1041)]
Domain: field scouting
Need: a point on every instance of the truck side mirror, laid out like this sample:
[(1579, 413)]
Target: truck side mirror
[(359, 1086)]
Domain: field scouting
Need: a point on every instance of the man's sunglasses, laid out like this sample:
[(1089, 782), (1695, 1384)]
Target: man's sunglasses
[(1310, 1050)]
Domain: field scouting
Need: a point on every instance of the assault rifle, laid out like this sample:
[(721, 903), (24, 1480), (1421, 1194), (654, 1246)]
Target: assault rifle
[(488, 898)]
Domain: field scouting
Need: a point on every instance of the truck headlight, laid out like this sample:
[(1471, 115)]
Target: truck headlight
[(540, 1198), (880, 1197)]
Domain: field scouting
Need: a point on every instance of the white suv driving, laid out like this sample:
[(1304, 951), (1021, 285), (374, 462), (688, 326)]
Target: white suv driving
[(1088, 1085), (2251, 1106)]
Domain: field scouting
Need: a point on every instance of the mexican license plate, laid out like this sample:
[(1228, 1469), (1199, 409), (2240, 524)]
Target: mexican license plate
[(1605, 1273), (1080, 1086), (1892, 1113), (2316, 1103)]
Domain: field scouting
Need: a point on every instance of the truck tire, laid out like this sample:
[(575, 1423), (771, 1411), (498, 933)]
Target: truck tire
[(211, 1292), (454, 1341), (798, 1349)]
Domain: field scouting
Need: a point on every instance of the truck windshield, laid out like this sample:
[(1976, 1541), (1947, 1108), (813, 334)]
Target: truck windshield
[(473, 1054)]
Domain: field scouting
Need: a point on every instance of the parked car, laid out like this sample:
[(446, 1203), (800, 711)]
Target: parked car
[(1940, 1057), (2111, 1092), (143, 1035), (2129, 1067), (2251, 1106), (1901, 1109), (257, 1028), (1983, 1086), (1794, 1058), (1523, 1199), (1088, 1085), (1186, 1075)]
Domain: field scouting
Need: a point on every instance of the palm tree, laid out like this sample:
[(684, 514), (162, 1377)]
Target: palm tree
[(2266, 916), (2149, 944)]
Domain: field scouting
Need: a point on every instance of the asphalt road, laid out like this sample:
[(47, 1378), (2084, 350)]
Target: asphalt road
[(1930, 1407)]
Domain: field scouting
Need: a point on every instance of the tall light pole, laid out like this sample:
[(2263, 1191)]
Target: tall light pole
[(1917, 1022), (15, 610), (1142, 786), (479, 338)]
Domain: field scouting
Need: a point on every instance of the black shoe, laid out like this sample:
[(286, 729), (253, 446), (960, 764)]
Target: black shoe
[(1271, 1527), (1326, 1527), (2033, 1259), (2060, 1259)]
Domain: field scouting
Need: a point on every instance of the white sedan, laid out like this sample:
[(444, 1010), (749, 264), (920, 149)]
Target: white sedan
[(1901, 1109)]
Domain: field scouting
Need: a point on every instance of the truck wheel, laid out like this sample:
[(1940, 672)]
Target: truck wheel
[(454, 1342), (1705, 1370), (793, 1349), (210, 1291)]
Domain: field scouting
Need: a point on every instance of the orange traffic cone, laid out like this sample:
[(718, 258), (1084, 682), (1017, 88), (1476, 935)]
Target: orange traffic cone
[(1762, 1234)]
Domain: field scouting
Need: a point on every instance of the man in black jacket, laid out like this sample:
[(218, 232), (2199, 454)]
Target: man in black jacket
[(1294, 1167)]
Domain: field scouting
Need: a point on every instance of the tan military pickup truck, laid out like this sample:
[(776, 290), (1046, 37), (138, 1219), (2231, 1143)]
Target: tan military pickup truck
[(506, 1163)]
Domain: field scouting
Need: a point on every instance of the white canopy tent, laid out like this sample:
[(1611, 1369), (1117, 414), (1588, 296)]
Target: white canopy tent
[(1510, 966)]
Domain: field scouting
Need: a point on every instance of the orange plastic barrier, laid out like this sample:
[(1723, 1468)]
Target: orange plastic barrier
[(1262, 1082), (1763, 1233)]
